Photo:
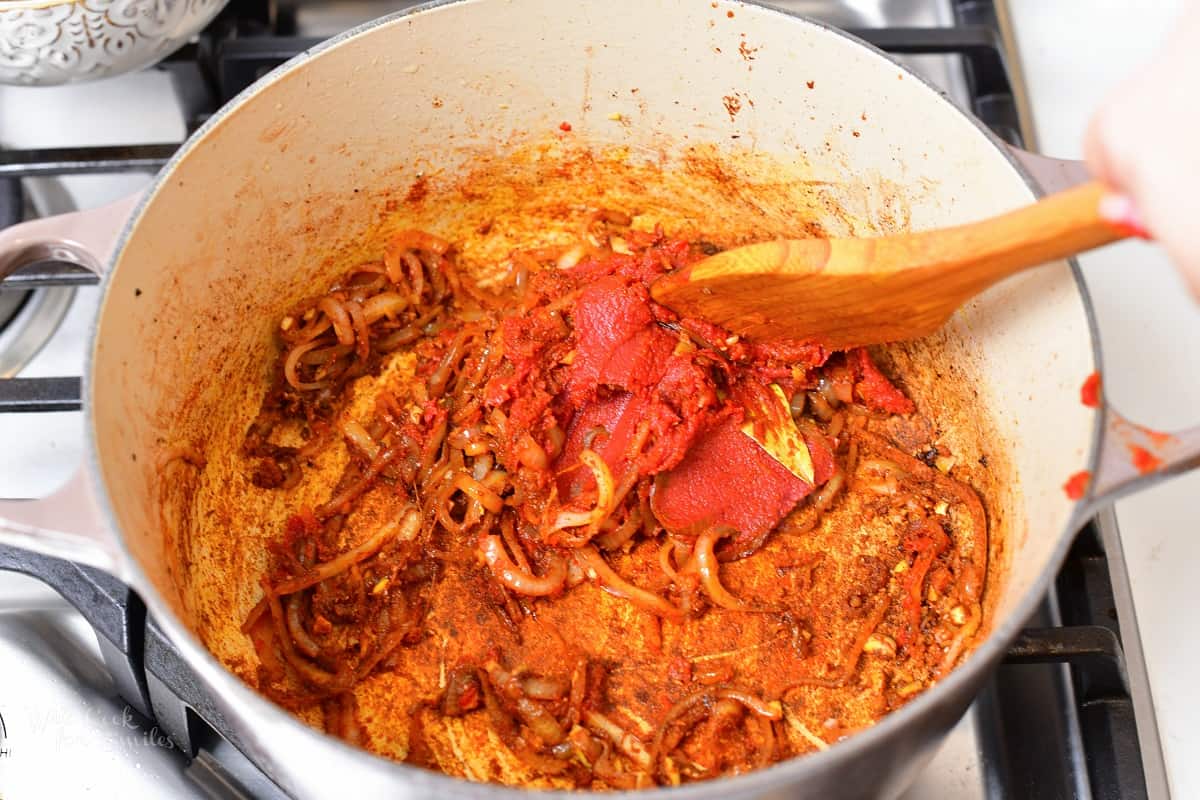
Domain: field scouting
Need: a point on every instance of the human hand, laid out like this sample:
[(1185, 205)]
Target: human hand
[(1144, 142)]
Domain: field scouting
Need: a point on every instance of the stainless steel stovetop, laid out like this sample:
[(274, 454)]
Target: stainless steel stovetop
[(64, 729)]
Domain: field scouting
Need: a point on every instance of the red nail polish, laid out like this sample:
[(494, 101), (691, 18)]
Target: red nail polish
[(1119, 211)]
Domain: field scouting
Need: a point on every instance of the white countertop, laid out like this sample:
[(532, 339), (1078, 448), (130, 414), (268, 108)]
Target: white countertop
[(1072, 52)]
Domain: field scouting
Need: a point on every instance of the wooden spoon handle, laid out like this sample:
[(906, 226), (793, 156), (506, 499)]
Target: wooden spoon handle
[(850, 292), (1057, 226)]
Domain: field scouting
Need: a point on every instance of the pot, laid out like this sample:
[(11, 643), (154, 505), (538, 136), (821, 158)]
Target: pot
[(48, 42), (724, 116)]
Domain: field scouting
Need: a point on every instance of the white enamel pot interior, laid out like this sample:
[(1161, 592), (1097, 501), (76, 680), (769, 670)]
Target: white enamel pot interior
[(226, 239)]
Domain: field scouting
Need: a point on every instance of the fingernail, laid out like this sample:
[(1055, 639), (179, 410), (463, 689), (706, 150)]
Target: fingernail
[(1118, 209)]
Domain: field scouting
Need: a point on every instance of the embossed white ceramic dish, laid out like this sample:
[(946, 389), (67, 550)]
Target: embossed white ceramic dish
[(48, 42)]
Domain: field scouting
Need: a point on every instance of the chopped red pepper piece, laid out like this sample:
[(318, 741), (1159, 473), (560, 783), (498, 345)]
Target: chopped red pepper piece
[(1089, 393), (1076, 486), (873, 387)]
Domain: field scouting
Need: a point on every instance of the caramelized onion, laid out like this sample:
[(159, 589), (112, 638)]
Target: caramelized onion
[(343, 328), (295, 627), (326, 354), (404, 528), (705, 563), (624, 741), (359, 437), (478, 492), (362, 332), (883, 466), (614, 584), (571, 257), (622, 533), (824, 497), (385, 304), (543, 688), (534, 715), (604, 496), (463, 692), (308, 671), (532, 454), (492, 548), (293, 360), (686, 711)]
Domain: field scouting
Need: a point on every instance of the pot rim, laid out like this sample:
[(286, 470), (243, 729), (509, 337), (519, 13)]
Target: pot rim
[(234, 695)]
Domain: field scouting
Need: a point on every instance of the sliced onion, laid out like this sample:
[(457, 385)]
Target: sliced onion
[(359, 437), (326, 354), (543, 688), (824, 497), (491, 546), (579, 677), (342, 326), (416, 274), (539, 720), (404, 528), (821, 407), (604, 496), (305, 668), (472, 441), (297, 333), (397, 338), (883, 466), (664, 559), (555, 438), (772, 710), (362, 330), (420, 240), (571, 257), (958, 644), (705, 563), (622, 533), (295, 627), (532, 454), (611, 582), (796, 404), (293, 360), (385, 304), (478, 492), (799, 727), (624, 741), (767, 711)]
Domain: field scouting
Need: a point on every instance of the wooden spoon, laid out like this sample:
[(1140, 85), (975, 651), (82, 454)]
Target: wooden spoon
[(852, 292)]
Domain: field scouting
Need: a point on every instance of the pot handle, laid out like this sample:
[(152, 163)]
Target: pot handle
[(67, 524), (1132, 457), (87, 238)]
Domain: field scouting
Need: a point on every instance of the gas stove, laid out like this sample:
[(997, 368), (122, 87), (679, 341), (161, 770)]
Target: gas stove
[(94, 698)]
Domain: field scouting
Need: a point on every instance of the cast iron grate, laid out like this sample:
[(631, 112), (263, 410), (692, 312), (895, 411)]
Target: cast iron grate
[(1055, 721)]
